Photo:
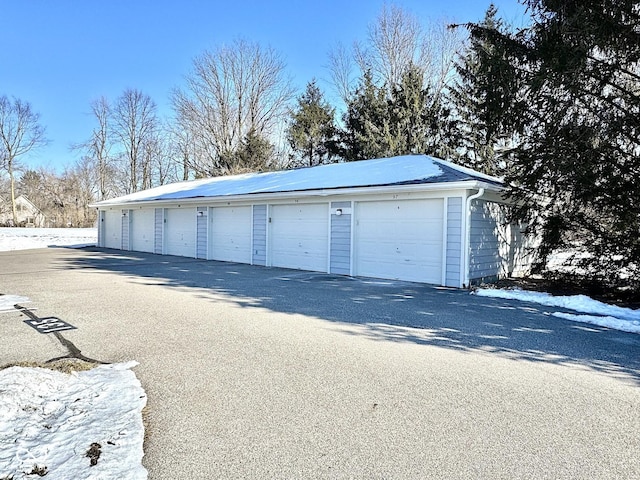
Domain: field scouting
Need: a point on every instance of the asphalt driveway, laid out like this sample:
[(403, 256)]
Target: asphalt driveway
[(257, 372)]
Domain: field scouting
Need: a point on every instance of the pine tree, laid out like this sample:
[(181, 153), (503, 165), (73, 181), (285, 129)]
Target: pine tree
[(366, 123), (311, 133), (577, 111), (482, 140), (398, 120), (417, 118), (254, 154)]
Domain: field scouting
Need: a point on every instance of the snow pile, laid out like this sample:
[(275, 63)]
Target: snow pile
[(27, 238), (61, 423), (602, 314), (8, 301)]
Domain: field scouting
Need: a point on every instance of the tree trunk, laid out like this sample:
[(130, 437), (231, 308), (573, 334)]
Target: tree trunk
[(102, 172), (185, 168), (133, 180), (13, 194)]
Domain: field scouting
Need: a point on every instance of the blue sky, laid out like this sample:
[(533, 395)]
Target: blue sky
[(59, 55)]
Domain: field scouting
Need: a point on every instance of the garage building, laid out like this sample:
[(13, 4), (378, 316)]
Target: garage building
[(413, 217)]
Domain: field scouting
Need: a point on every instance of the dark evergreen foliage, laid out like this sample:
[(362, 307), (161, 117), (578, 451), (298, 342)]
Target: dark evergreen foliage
[(254, 154), (366, 123), (576, 110), (312, 131), (482, 138), (383, 121)]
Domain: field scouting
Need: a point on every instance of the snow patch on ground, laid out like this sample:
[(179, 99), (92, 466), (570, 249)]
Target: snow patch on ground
[(609, 322), (51, 419), (28, 238), (8, 301), (599, 313)]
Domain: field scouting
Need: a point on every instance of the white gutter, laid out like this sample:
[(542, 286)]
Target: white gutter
[(467, 238)]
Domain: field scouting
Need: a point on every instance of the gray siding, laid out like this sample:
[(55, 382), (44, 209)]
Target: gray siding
[(101, 215), (126, 216), (201, 232), (454, 242), (484, 240), (497, 249), (340, 248), (159, 224), (259, 252)]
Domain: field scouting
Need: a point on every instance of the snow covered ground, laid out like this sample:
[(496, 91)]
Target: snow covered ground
[(8, 301), (61, 423), (55, 423), (589, 310), (26, 238)]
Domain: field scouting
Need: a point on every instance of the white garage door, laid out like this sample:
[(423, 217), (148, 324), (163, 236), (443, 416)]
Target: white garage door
[(113, 229), (299, 236), (230, 232), (399, 240), (180, 232), (142, 230)]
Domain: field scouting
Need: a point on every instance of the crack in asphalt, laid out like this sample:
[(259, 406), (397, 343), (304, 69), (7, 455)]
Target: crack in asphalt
[(74, 352)]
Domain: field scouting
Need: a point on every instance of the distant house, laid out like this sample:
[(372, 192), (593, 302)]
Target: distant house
[(415, 218), (28, 214)]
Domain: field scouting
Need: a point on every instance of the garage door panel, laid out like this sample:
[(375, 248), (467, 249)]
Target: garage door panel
[(113, 229), (299, 236), (400, 240), (143, 230), (231, 234), (180, 232)]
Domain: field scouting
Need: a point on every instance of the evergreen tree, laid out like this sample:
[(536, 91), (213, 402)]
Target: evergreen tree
[(577, 111), (312, 130), (417, 118), (482, 140), (366, 123), (397, 120), (254, 154)]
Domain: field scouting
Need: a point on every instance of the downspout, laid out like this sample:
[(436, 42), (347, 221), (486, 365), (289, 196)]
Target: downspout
[(467, 238)]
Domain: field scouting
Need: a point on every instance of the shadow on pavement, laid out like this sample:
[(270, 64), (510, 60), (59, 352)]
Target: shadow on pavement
[(388, 310)]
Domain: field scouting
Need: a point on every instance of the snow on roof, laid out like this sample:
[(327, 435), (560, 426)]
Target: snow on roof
[(406, 169)]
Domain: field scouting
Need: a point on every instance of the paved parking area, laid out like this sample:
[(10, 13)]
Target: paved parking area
[(268, 373)]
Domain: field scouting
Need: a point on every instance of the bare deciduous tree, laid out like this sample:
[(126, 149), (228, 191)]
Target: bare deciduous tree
[(232, 91), (395, 42), (440, 48), (180, 148), (101, 145), (63, 198), (79, 189), (159, 160), (341, 67), (134, 124), (20, 132), (98, 147)]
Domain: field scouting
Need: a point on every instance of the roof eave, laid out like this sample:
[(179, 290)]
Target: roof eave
[(461, 185)]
